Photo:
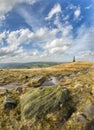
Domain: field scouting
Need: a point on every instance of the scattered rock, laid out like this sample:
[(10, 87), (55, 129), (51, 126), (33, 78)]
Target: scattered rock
[(9, 103), (19, 89), (78, 73), (26, 77), (70, 76), (89, 110), (39, 79), (36, 82), (81, 118)]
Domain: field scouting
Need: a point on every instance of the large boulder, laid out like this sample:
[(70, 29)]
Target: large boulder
[(36, 81), (48, 104)]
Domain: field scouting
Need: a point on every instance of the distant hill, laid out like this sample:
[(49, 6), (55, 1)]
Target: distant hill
[(27, 65)]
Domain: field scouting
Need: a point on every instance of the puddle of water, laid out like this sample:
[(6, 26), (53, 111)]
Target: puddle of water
[(53, 81), (10, 86)]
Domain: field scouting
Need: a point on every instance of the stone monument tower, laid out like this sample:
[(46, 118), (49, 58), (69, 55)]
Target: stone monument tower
[(74, 59)]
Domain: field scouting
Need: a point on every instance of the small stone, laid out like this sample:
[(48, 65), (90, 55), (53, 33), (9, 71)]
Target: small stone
[(81, 118), (89, 110), (9, 103), (78, 73), (26, 77), (19, 89), (61, 105)]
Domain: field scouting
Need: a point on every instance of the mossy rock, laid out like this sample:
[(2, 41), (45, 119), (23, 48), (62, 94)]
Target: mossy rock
[(38, 103), (36, 82)]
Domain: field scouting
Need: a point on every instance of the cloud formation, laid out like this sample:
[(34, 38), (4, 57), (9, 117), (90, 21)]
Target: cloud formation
[(8, 5), (45, 33), (77, 12), (56, 9)]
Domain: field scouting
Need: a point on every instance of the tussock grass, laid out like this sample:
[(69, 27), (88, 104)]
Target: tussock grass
[(55, 106)]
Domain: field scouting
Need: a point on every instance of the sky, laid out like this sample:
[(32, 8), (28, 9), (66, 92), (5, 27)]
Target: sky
[(46, 30)]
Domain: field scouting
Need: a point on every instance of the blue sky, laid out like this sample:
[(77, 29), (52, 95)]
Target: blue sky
[(46, 30)]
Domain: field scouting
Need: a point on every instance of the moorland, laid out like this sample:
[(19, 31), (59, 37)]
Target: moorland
[(59, 97)]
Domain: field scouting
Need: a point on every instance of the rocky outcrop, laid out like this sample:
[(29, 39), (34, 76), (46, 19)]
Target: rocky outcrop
[(49, 105), (36, 82)]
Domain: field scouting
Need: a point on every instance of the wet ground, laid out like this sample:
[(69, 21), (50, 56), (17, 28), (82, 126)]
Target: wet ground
[(51, 82), (11, 86)]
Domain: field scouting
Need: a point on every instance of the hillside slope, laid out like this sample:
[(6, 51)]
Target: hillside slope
[(66, 103)]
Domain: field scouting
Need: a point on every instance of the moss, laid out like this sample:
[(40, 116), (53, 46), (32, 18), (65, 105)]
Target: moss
[(37, 103)]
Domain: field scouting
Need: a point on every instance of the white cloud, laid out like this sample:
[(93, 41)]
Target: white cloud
[(58, 50), (85, 55), (88, 7), (58, 46), (84, 39), (66, 17), (72, 46), (2, 36), (43, 34), (2, 17), (72, 7), (28, 17), (65, 29), (12, 43), (44, 44), (22, 36), (56, 9), (77, 12), (8, 5), (82, 43)]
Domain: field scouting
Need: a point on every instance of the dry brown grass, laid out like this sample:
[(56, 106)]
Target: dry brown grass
[(81, 96)]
